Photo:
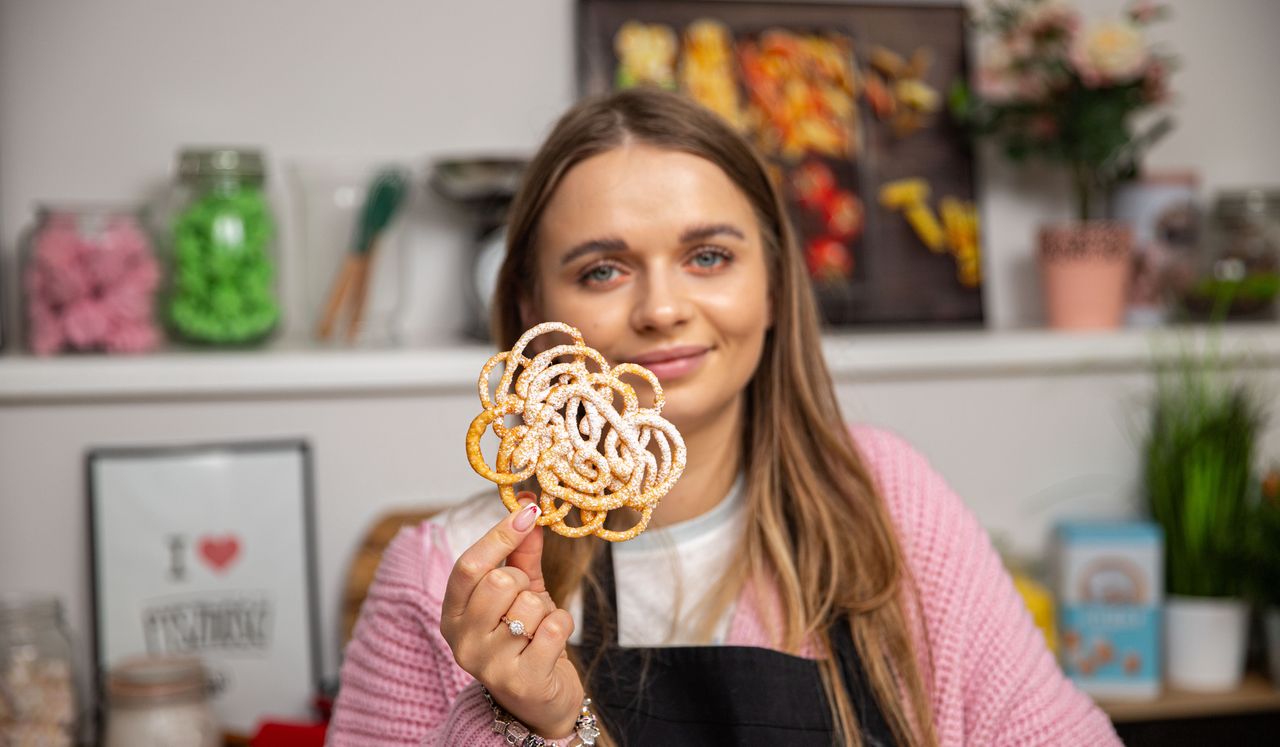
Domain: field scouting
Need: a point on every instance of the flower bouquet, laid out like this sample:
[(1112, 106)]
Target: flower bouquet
[(1049, 86)]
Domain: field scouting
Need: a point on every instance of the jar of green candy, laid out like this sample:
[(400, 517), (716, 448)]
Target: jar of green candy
[(223, 277)]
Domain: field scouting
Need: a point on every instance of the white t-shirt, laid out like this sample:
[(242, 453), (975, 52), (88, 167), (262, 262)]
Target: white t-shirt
[(661, 575)]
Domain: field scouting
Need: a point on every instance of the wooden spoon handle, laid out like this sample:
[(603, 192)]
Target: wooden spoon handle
[(359, 293), (341, 287)]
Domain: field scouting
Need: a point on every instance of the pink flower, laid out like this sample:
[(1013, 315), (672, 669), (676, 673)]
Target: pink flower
[(1110, 52), (1051, 18), (1146, 11)]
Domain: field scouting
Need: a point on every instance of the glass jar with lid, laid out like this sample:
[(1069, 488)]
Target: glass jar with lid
[(89, 280), (160, 701), (1240, 273), (222, 242), (37, 680)]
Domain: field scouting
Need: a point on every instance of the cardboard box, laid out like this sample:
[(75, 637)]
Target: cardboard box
[(1109, 580)]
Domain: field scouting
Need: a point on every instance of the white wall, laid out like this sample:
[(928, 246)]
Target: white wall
[(1225, 102), (97, 95)]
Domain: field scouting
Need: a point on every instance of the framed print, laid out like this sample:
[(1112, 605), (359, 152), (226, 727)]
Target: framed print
[(845, 101), (208, 551)]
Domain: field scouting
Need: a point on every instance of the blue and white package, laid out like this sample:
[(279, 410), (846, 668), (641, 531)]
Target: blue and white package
[(1109, 579)]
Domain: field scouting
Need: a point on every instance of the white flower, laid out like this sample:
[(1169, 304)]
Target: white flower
[(1109, 52)]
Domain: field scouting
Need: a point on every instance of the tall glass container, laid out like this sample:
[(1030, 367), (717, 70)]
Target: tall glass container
[(37, 680), (224, 263), (89, 278)]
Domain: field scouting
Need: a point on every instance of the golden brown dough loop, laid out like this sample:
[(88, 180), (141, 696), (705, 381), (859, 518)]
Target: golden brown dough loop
[(585, 451)]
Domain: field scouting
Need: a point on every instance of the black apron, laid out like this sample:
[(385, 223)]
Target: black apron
[(713, 695)]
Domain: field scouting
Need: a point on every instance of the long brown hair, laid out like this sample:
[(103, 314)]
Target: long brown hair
[(817, 528)]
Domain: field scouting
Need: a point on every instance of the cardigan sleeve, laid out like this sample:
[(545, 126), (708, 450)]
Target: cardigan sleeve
[(400, 684), (993, 679)]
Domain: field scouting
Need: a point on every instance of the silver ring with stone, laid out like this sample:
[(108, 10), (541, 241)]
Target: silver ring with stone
[(517, 628)]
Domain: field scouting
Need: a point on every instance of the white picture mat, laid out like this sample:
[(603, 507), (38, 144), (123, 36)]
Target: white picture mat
[(251, 619)]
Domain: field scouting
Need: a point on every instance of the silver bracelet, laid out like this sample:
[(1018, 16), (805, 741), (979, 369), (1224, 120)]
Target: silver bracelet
[(517, 734)]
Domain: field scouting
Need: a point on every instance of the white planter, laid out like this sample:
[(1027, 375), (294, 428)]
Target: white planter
[(1205, 642), (1273, 644)]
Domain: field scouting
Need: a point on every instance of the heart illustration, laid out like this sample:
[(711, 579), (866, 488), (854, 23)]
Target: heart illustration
[(219, 552)]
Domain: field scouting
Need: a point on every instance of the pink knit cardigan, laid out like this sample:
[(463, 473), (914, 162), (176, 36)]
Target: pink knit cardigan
[(992, 681)]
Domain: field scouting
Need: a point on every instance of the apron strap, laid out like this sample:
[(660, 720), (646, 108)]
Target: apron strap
[(870, 718)]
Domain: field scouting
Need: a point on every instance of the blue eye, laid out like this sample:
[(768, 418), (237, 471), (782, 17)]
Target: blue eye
[(709, 258), (599, 274)]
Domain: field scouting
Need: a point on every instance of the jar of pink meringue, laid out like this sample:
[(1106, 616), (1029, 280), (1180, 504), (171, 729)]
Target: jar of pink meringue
[(89, 281)]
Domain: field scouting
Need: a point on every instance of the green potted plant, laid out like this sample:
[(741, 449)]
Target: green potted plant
[(1050, 87), (1199, 455), (1265, 568)]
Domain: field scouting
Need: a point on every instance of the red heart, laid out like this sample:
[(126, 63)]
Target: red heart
[(219, 552)]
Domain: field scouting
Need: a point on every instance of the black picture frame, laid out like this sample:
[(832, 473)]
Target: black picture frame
[(299, 448)]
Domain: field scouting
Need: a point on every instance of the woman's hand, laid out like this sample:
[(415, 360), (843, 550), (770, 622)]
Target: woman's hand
[(532, 679)]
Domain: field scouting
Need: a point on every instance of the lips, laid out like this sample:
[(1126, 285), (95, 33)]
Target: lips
[(673, 363), (669, 354)]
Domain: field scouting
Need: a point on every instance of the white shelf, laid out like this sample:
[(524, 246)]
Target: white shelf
[(292, 371), (1032, 352)]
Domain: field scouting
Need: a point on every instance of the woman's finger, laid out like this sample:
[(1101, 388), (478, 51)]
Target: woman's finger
[(489, 552), (528, 609), (528, 554), (493, 596), (548, 644)]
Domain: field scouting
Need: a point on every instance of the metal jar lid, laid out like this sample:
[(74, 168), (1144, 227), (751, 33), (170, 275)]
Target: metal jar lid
[(205, 163), (1248, 204), (29, 608), (155, 680)]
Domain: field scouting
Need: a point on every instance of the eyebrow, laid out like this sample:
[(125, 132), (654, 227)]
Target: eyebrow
[(611, 244)]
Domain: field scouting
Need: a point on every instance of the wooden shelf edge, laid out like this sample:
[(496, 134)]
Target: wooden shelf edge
[(1256, 695)]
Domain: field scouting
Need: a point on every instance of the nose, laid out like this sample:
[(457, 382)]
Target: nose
[(662, 304)]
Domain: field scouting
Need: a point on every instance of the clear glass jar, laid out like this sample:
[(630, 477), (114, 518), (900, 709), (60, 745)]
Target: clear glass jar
[(222, 241), (1240, 266), (37, 679), (89, 280), (329, 201), (160, 702)]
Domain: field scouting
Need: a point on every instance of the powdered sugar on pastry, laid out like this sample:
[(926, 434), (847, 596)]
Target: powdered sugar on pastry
[(586, 452)]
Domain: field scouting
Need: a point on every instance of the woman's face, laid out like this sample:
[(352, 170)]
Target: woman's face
[(655, 255)]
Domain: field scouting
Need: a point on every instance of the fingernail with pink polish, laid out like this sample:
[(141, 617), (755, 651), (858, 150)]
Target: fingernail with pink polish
[(525, 518)]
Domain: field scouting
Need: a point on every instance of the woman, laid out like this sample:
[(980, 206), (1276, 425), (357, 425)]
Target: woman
[(803, 583)]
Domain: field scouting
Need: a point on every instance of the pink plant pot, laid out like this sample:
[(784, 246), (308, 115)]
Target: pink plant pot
[(1084, 269)]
